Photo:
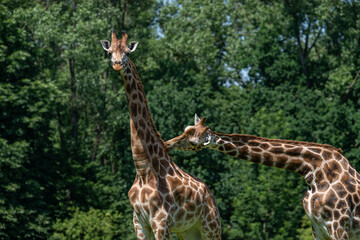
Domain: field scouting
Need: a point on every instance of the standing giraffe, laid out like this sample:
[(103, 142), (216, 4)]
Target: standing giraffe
[(163, 197), (332, 200)]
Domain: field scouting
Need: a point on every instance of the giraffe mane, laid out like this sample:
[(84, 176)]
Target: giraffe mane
[(311, 144), (145, 101)]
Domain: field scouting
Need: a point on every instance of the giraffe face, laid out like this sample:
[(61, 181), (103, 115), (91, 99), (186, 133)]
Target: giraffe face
[(118, 49), (194, 137)]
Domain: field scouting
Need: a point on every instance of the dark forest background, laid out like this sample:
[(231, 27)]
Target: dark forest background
[(284, 69)]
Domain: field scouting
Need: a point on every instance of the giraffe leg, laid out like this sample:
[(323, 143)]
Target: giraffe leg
[(142, 232), (210, 222)]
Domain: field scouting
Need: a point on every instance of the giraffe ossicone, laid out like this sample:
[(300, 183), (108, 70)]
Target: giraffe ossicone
[(332, 200), (163, 197)]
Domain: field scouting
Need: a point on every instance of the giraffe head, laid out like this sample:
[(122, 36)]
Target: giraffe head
[(118, 49), (194, 137)]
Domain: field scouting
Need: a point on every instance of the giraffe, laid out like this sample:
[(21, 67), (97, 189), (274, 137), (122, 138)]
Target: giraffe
[(332, 200), (164, 198)]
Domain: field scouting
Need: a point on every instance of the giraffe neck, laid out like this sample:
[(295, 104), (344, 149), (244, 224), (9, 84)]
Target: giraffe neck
[(145, 140), (300, 157)]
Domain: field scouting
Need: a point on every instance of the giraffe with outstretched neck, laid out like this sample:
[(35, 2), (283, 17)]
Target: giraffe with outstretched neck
[(163, 197), (332, 200)]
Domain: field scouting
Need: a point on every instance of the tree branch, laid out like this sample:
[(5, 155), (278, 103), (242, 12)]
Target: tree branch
[(316, 38)]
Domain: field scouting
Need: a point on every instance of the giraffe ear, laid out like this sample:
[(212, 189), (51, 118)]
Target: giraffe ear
[(197, 119), (105, 44), (132, 46)]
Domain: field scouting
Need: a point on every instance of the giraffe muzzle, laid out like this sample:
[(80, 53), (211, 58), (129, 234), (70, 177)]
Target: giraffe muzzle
[(117, 66)]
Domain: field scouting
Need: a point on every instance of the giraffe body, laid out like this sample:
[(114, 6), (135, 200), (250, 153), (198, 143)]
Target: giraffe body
[(163, 197), (332, 200)]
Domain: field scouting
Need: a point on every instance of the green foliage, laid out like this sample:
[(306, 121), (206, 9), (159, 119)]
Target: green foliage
[(277, 69), (94, 224)]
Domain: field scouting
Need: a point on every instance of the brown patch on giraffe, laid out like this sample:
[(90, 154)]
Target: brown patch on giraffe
[(294, 151), (144, 113), (357, 211), (337, 155), (140, 132), (323, 186), (315, 204), (162, 185), (232, 153), (349, 202), (228, 147), (315, 150), (280, 161), (166, 206), (326, 155), (133, 108), (161, 152), (197, 199), (336, 214), (156, 164), (142, 124), (351, 171), (305, 169), (221, 149), (243, 152), (253, 144), (345, 164), (171, 171), (133, 194), (226, 139), (180, 214), (331, 175), (277, 150), (356, 199), (238, 144), (341, 205), (134, 96), (193, 186), (145, 194), (161, 215), (255, 157), (264, 146), (335, 166), (133, 87), (190, 206), (294, 164), (146, 209), (151, 180), (162, 170), (256, 149), (128, 89), (147, 135), (268, 158), (326, 213), (313, 159), (340, 190), (179, 194), (348, 182), (313, 189), (212, 225), (331, 199), (150, 149), (356, 224), (173, 182), (345, 220)]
